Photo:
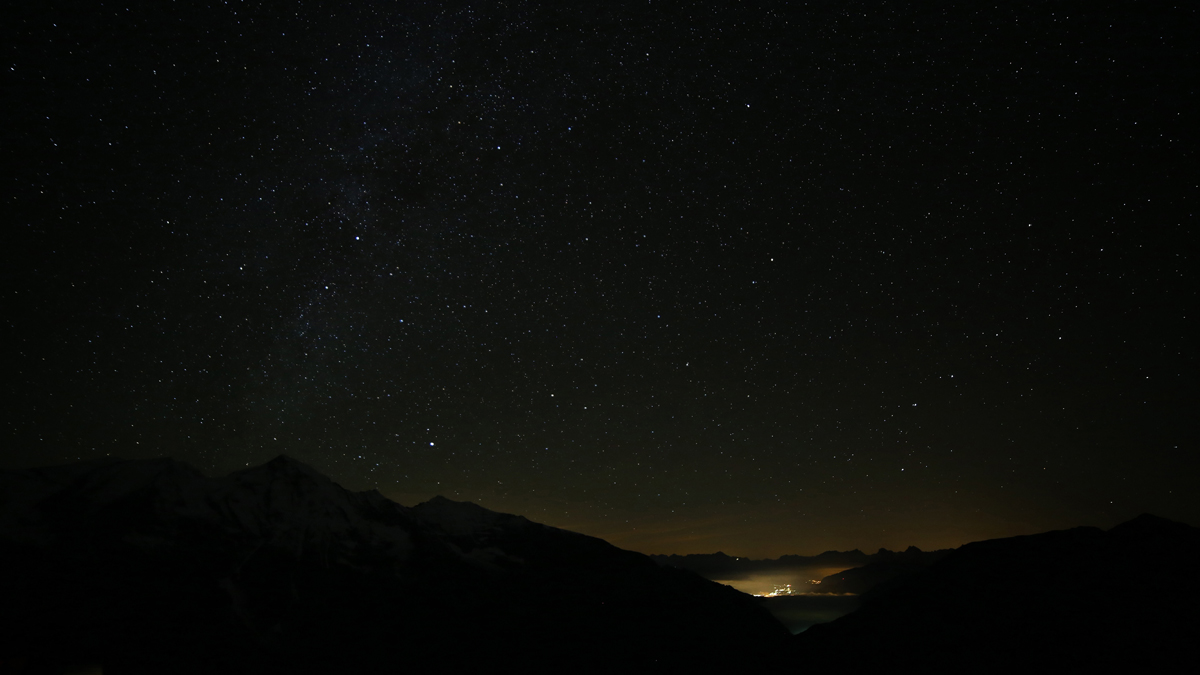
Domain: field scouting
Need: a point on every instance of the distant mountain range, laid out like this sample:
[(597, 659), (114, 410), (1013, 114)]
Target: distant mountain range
[(149, 566), (721, 566)]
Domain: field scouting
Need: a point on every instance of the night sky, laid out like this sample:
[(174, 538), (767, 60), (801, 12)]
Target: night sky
[(760, 277)]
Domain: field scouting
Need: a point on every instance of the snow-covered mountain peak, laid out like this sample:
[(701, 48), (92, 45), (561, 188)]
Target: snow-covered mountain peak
[(292, 505), (282, 467), (284, 503)]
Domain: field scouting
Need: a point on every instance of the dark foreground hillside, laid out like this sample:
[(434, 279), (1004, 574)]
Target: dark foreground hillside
[(151, 567), (1074, 601)]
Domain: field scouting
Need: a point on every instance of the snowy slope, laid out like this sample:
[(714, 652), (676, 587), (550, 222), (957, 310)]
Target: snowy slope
[(284, 504)]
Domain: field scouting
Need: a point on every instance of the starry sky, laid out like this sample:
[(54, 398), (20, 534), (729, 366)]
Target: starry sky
[(760, 277)]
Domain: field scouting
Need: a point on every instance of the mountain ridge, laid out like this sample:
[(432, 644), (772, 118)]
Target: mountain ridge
[(148, 565)]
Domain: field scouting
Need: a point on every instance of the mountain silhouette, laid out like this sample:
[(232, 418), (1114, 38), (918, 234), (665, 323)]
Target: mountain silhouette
[(1078, 600), (150, 566)]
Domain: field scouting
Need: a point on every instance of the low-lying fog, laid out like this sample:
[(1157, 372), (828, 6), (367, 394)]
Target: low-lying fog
[(799, 578), (806, 605)]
